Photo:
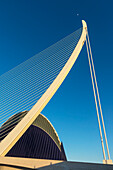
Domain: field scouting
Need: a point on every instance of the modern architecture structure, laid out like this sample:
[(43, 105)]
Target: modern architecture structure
[(28, 137), (40, 141)]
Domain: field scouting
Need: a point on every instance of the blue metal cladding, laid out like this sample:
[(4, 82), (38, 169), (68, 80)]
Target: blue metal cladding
[(36, 143)]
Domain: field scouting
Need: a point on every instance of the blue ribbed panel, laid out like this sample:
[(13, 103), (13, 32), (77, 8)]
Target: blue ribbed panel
[(36, 143)]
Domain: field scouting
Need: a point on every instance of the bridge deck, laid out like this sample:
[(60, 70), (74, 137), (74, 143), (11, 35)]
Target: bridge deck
[(11, 163), (77, 166)]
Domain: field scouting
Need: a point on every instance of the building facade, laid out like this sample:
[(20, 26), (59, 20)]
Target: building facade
[(39, 141)]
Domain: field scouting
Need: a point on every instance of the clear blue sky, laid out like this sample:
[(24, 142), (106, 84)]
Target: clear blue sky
[(29, 26)]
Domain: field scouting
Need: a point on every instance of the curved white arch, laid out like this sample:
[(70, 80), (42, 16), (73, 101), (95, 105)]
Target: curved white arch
[(56, 138), (8, 142)]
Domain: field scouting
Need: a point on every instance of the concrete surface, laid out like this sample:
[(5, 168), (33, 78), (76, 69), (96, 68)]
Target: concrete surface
[(12, 163), (77, 166)]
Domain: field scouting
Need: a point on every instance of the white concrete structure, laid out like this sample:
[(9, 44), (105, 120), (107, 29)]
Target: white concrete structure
[(7, 143)]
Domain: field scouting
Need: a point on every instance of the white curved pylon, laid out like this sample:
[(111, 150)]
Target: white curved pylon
[(8, 142)]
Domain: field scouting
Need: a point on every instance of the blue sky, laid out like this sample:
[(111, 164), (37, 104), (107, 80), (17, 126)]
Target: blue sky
[(28, 27)]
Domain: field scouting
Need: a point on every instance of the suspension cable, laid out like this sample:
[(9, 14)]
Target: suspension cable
[(92, 79), (98, 97)]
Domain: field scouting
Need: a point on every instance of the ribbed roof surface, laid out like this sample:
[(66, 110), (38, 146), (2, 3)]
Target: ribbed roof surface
[(41, 121)]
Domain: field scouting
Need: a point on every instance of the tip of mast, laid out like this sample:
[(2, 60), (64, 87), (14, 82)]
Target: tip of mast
[(84, 24)]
